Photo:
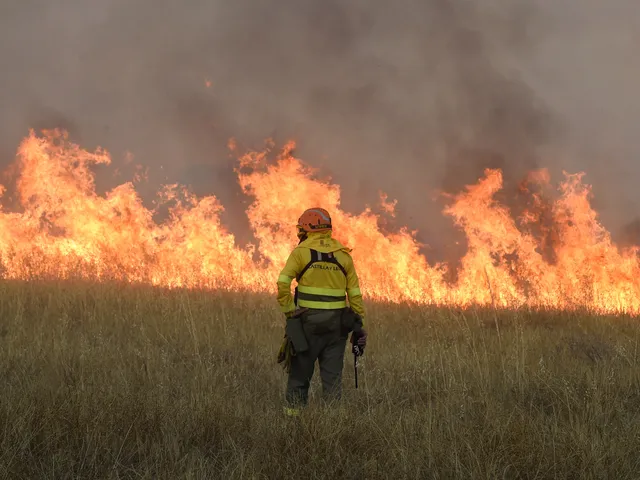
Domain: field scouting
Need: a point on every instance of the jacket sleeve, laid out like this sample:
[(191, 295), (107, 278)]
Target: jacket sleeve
[(288, 273), (353, 289)]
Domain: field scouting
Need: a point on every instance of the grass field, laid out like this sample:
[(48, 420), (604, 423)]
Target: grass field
[(111, 382)]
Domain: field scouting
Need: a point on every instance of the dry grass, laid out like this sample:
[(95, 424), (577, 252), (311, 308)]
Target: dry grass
[(110, 382)]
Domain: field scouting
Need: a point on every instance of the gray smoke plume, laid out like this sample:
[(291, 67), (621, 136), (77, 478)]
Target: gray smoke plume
[(409, 97)]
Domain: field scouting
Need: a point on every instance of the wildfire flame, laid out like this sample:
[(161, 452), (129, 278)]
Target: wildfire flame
[(556, 254)]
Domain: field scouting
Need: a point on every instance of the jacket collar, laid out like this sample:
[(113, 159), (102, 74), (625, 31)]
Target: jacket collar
[(323, 242)]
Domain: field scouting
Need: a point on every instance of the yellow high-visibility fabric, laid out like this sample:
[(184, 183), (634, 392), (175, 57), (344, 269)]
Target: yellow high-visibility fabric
[(322, 304), (322, 279), (332, 292)]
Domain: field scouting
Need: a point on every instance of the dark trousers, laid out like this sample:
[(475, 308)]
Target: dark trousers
[(326, 345)]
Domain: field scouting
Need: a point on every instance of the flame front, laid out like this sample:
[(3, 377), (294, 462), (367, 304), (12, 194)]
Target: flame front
[(556, 254)]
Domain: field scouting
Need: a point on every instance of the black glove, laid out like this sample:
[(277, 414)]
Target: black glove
[(358, 342)]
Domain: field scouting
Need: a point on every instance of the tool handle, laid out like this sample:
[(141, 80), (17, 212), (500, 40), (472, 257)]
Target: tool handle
[(355, 368)]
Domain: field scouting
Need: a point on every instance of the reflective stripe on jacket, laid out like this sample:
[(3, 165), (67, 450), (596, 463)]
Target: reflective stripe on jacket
[(323, 285)]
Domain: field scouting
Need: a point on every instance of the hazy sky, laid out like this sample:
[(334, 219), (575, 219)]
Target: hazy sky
[(405, 96)]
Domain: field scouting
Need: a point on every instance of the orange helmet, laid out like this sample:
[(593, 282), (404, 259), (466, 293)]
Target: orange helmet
[(314, 220)]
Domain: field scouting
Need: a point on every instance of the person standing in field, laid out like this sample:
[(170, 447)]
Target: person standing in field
[(318, 316)]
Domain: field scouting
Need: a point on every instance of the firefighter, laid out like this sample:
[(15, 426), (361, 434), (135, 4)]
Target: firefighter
[(318, 316)]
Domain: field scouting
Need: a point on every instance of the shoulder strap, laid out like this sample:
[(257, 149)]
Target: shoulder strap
[(331, 258), (317, 257), (321, 257)]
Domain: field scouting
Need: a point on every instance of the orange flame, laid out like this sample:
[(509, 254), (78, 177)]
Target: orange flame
[(556, 254)]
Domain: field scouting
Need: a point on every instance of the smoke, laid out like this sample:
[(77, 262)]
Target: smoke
[(409, 97)]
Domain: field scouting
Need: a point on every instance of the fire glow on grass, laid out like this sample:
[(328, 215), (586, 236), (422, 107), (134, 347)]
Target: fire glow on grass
[(65, 229)]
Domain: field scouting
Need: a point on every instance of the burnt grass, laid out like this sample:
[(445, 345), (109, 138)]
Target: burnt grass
[(106, 381)]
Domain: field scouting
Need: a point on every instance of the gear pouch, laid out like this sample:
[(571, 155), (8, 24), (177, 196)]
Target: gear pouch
[(296, 334), (350, 321)]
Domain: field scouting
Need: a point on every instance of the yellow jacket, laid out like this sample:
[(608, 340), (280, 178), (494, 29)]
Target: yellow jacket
[(324, 285)]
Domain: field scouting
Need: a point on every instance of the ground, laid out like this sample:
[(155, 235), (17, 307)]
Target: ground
[(107, 381)]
